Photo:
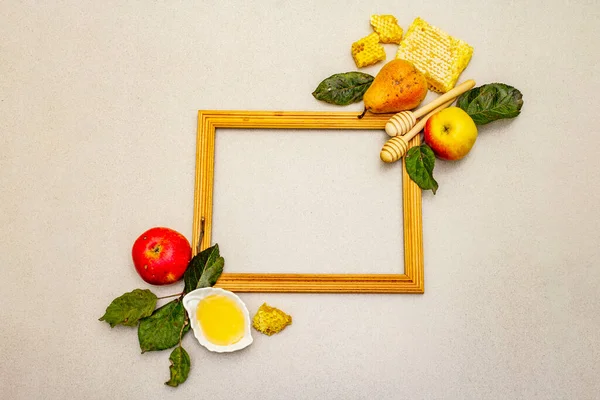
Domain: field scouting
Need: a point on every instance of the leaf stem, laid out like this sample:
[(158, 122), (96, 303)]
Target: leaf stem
[(171, 295), (185, 322)]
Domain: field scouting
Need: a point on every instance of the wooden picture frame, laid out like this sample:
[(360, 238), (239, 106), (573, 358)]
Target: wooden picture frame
[(411, 281)]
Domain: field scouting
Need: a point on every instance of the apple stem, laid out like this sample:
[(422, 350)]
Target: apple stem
[(199, 244)]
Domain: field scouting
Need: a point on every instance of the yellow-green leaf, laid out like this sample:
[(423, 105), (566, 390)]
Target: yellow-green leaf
[(180, 366)]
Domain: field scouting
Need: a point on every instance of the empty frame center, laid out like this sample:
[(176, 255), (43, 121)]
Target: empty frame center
[(306, 201)]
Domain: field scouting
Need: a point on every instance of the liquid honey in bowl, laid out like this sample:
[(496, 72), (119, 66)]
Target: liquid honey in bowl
[(221, 320)]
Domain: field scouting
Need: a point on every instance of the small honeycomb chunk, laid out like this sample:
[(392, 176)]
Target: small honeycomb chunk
[(439, 56), (367, 51), (270, 320), (387, 28)]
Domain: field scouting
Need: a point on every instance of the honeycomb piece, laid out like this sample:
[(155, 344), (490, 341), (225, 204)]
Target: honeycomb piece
[(439, 56), (387, 28), (368, 51), (270, 320)]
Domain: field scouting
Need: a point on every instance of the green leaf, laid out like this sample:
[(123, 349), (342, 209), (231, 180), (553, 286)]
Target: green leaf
[(211, 273), (195, 268), (180, 366), (343, 89), (490, 102), (129, 308), (420, 161), (162, 329)]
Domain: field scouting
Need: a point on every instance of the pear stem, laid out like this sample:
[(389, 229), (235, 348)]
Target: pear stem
[(363, 113)]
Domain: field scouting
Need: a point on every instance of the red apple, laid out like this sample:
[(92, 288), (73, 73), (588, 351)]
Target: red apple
[(451, 133), (161, 255)]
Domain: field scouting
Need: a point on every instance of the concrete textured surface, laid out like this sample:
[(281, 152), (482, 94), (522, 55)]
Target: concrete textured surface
[(98, 106)]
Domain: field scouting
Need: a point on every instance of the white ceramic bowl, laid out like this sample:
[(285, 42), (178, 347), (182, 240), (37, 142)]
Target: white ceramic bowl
[(190, 302)]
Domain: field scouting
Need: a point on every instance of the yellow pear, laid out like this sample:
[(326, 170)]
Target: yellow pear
[(397, 87)]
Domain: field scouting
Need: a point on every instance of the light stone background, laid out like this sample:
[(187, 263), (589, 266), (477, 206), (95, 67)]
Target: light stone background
[(98, 105)]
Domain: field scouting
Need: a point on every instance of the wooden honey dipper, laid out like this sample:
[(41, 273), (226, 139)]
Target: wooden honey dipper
[(396, 147), (401, 123)]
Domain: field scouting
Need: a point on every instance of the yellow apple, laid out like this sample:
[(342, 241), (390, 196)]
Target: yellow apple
[(451, 133)]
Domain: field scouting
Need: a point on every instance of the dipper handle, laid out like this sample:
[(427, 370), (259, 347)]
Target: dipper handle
[(396, 147), (451, 94)]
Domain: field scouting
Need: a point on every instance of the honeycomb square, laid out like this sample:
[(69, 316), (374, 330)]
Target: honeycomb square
[(439, 56)]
